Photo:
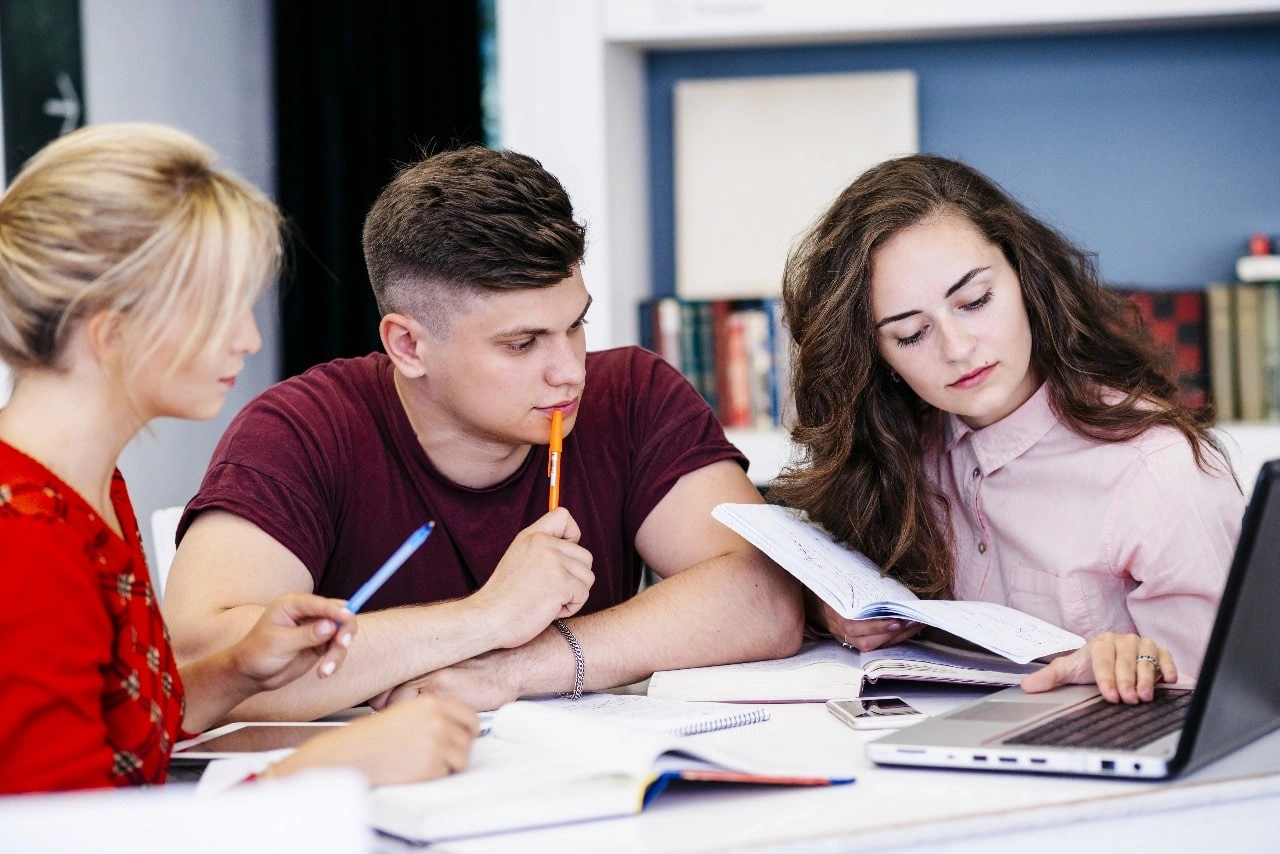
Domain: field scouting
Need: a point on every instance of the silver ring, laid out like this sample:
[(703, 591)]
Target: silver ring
[(1150, 658)]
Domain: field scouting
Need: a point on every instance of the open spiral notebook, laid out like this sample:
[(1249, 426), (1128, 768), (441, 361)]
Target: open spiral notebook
[(675, 717)]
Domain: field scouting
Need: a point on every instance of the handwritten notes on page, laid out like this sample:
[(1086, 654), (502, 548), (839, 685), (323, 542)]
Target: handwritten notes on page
[(856, 589)]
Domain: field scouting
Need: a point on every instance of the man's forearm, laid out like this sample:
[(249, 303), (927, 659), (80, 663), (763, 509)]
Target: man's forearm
[(390, 647), (717, 612)]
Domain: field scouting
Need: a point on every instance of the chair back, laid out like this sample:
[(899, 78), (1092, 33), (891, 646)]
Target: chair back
[(164, 531)]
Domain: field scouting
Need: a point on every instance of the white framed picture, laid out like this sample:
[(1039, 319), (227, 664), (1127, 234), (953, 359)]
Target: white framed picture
[(757, 159)]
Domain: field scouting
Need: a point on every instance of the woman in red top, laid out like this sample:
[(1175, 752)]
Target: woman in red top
[(128, 270)]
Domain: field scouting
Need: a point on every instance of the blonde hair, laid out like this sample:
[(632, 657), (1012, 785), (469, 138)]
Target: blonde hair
[(132, 218)]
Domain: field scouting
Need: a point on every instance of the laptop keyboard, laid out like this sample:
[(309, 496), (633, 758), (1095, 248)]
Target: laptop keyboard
[(1111, 725)]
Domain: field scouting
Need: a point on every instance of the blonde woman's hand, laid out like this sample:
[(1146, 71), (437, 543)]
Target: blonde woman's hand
[(296, 632), (419, 739), (1126, 668)]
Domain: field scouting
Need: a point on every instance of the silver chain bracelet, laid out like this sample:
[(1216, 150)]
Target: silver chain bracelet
[(579, 662)]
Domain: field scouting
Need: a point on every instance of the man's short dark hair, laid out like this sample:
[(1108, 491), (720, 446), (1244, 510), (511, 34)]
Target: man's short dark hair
[(462, 223)]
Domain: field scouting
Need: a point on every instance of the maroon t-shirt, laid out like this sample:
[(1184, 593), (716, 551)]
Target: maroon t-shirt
[(328, 464)]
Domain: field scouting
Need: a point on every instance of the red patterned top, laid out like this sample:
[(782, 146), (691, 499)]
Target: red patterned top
[(89, 690)]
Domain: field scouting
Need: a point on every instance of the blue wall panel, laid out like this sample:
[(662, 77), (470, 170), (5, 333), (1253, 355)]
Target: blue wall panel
[(1159, 151)]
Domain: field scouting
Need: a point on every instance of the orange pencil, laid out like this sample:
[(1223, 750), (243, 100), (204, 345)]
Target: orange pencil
[(553, 458)]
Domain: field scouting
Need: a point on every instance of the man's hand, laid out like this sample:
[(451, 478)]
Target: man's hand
[(484, 682), (862, 635), (544, 575), (1125, 667), (296, 632)]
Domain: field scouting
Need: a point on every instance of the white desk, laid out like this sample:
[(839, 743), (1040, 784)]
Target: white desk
[(1232, 805)]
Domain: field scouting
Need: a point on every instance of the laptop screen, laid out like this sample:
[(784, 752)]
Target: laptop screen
[(1238, 695)]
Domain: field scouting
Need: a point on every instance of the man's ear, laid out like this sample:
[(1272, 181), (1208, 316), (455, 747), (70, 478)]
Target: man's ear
[(405, 340)]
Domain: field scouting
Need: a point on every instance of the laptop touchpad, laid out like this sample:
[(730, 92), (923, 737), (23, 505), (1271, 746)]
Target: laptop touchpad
[(1002, 712)]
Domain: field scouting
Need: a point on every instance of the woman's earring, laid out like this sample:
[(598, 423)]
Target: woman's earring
[(893, 375)]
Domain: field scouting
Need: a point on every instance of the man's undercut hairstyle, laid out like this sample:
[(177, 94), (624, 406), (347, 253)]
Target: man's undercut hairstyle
[(462, 224)]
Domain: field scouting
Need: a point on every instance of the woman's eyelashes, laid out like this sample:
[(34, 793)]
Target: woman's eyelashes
[(911, 339), (978, 303), (918, 336)]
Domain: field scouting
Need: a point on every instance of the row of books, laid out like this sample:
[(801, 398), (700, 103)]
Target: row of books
[(736, 353), (1244, 350), (1225, 341)]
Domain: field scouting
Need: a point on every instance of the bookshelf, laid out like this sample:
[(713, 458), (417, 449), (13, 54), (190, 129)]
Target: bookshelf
[(573, 89), (1249, 444), (572, 78)]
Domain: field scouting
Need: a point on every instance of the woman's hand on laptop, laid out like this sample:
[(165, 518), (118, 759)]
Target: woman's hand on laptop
[(1125, 667)]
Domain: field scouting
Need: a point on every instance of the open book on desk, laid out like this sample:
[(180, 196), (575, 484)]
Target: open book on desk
[(827, 671), (857, 590), (541, 765)]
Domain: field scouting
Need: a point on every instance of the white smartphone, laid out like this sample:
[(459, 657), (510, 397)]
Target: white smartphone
[(875, 712)]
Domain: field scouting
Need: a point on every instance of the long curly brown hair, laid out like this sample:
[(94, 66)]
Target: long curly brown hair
[(863, 437)]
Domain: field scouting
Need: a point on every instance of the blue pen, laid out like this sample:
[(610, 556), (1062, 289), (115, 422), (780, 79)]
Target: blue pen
[(370, 587)]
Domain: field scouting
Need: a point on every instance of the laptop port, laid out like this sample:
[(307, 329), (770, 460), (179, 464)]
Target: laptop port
[(1012, 760), (979, 758), (1035, 760), (1108, 765)]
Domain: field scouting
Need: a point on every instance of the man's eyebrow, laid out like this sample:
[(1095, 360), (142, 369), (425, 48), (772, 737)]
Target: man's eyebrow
[(960, 283), (529, 331)]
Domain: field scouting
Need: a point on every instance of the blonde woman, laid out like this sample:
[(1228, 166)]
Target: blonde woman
[(128, 269)]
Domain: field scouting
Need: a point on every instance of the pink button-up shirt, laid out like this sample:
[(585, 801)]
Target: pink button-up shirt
[(1091, 536)]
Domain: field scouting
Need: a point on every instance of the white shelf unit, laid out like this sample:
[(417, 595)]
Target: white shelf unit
[(572, 81), (572, 89)]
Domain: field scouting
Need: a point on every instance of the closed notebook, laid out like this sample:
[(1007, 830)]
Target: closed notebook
[(541, 765)]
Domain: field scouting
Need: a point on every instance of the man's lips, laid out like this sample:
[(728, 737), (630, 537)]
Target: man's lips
[(566, 406)]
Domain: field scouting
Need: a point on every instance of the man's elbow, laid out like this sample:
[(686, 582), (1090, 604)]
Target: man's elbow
[(781, 605)]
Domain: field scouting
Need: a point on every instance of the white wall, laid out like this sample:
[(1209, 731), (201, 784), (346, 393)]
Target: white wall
[(203, 66)]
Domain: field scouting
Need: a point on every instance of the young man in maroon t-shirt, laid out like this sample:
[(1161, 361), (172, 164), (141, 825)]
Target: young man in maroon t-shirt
[(475, 260)]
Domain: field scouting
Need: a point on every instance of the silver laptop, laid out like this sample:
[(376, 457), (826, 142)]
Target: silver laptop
[(1072, 730)]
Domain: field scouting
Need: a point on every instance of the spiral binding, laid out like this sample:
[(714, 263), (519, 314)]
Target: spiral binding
[(750, 716)]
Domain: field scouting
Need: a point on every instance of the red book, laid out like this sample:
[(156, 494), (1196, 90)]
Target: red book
[(736, 411), (1177, 320)]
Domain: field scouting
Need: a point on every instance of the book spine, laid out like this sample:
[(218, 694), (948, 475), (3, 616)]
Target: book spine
[(760, 366), (689, 352), (667, 332), (707, 357), (1249, 350), (1270, 328), (785, 409), (1222, 359), (737, 409), (720, 310), (646, 316), (1176, 319)]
